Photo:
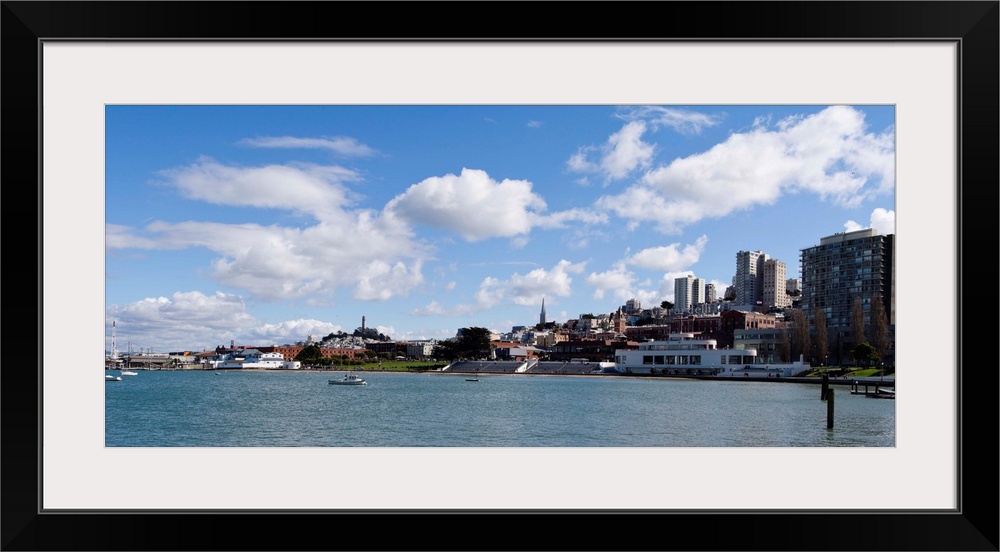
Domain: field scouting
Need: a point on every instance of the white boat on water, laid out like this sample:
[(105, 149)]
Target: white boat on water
[(349, 379), (129, 373), (109, 377)]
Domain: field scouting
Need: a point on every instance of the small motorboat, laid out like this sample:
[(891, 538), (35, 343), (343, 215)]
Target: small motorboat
[(109, 377), (129, 373), (349, 379), (471, 379)]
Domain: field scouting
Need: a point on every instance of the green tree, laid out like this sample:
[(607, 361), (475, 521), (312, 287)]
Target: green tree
[(666, 305), (370, 333), (470, 343), (310, 354), (864, 352)]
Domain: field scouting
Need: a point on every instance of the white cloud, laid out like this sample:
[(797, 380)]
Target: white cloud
[(618, 280), (477, 207), (882, 220), (618, 157), (621, 282), (304, 188), (829, 154), (341, 145), (187, 319), (381, 281), (530, 288), (281, 263), (669, 258), (527, 289), (520, 242), (683, 121)]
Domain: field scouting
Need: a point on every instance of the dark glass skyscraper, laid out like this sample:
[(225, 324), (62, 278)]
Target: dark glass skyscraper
[(842, 267)]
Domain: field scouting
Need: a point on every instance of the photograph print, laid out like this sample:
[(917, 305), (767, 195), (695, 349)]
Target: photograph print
[(500, 276)]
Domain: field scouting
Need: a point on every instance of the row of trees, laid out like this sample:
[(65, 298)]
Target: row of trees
[(869, 347), (366, 333), (311, 355)]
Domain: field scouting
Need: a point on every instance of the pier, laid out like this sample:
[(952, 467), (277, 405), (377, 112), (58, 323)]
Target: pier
[(874, 389)]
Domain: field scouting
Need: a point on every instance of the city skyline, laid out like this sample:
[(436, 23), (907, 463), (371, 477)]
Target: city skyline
[(265, 224)]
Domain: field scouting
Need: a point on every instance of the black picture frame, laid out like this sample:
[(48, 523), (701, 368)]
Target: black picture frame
[(973, 525)]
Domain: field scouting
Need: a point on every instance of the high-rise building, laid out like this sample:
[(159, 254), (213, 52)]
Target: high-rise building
[(749, 279), (710, 293), (793, 285), (684, 293), (774, 291), (698, 292), (541, 316), (846, 266)]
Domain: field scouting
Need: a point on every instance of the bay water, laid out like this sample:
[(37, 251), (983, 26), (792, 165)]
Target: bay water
[(301, 409)]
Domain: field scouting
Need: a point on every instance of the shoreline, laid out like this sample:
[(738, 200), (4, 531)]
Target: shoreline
[(870, 380)]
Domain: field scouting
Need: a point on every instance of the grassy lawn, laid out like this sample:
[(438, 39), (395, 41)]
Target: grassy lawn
[(851, 372), (394, 366)]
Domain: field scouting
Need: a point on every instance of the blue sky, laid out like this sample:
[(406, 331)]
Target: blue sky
[(266, 224)]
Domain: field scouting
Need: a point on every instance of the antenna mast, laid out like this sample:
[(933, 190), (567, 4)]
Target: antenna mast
[(114, 347)]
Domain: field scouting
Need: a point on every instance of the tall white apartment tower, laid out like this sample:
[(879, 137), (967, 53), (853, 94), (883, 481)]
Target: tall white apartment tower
[(698, 292), (749, 277), (683, 293), (774, 291)]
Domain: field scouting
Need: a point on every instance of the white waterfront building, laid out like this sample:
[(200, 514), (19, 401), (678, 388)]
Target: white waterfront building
[(688, 354)]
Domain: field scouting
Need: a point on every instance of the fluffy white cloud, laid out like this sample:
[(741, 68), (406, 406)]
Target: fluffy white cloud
[(530, 288), (882, 220), (669, 258), (527, 289), (477, 207), (618, 157), (381, 281), (340, 145), (618, 279), (187, 320), (317, 190), (830, 154), (280, 263)]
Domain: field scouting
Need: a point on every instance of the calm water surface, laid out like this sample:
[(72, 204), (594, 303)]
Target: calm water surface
[(300, 409)]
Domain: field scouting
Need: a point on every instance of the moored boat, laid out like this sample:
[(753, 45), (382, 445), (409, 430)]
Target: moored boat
[(349, 379)]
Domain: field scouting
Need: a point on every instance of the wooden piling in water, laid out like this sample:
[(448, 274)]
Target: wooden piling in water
[(829, 409), (825, 388)]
